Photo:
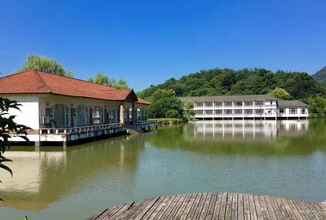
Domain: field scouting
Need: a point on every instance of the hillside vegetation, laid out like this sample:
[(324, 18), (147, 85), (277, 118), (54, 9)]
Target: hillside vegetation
[(299, 85), (320, 76)]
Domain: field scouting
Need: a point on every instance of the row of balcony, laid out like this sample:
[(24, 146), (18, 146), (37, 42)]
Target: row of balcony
[(234, 104)]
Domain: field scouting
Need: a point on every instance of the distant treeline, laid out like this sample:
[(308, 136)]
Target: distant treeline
[(299, 85)]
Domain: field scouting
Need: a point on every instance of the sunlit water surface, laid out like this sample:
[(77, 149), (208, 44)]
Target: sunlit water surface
[(285, 159)]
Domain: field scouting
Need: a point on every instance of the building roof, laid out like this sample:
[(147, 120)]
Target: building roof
[(229, 98), (143, 102), (291, 104), (34, 82)]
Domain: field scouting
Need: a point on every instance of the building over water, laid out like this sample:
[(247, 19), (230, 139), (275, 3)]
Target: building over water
[(246, 107), (63, 109)]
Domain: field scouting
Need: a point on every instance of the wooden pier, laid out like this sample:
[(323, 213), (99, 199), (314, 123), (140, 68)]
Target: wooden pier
[(216, 206)]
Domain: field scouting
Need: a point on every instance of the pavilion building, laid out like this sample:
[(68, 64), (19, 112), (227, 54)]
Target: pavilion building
[(63, 109)]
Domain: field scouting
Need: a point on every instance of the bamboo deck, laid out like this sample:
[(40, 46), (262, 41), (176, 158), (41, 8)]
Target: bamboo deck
[(216, 206)]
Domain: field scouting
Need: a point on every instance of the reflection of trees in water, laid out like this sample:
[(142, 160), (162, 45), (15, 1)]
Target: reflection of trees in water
[(78, 167), (283, 145)]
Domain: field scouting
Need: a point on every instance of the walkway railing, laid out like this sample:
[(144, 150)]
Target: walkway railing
[(80, 129)]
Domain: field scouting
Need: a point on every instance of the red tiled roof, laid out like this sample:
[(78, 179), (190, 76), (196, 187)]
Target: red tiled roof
[(33, 82)]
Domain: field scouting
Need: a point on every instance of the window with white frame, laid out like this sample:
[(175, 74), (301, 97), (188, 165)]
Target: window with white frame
[(248, 111), (293, 111), (259, 111), (248, 103), (218, 112), (238, 111), (227, 103)]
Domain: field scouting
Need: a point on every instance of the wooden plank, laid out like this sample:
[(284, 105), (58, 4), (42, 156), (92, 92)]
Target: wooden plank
[(303, 210), (139, 209), (252, 207), (123, 209), (208, 210), (297, 205), (296, 211), (206, 205), (166, 209), (282, 208), (315, 210), (266, 210), (175, 205), (234, 207), (211, 208), (221, 213), (292, 213), (228, 207), (155, 207), (271, 203), (260, 210), (193, 212), (240, 207), (201, 205), (153, 214), (246, 207), (189, 206), (217, 207), (182, 208)]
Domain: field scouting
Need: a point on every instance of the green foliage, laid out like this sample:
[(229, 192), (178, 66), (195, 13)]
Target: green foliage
[(317, 106), (103, 79), (165, 104), (46, 65), (8, 127), (280, 93), (241, 82), (188, 110)]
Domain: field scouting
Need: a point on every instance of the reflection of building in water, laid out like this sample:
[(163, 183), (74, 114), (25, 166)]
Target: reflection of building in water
[(249, 129), (28, 170), (43, 177)]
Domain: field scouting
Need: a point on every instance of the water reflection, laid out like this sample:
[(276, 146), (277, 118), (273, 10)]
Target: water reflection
[(43, 177), (284, 158), (247, 129)]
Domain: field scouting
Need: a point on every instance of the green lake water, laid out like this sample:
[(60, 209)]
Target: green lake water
[(285, 159)]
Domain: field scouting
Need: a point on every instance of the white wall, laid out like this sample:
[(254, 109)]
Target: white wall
[(29, 110)]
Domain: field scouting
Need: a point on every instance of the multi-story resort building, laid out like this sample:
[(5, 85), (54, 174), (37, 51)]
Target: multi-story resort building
[(63, 109), (246, 107)]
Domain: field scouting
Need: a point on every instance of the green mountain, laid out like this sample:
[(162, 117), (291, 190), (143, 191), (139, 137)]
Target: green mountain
[(240, 82), (320, 76)]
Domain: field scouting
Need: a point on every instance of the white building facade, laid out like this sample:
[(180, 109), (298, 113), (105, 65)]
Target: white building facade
[(246, 107)]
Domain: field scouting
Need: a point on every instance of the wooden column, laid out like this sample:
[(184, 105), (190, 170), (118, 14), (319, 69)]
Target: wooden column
[(122, 111), (134, 113)]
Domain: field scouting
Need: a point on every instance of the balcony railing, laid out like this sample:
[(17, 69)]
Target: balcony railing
[(82, 129)]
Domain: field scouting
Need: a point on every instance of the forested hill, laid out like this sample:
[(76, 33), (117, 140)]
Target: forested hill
[(240, 82), (320, 76)]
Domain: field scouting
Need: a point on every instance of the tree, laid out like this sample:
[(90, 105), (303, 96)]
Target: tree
[(7, 127), (241, 82), (165, 104), (188, 110), (280, 93), (103, 79), (120, 84), (317, 105), (46, 65)]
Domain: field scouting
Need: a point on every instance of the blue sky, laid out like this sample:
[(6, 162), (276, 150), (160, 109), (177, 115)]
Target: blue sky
[(147, 42)]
